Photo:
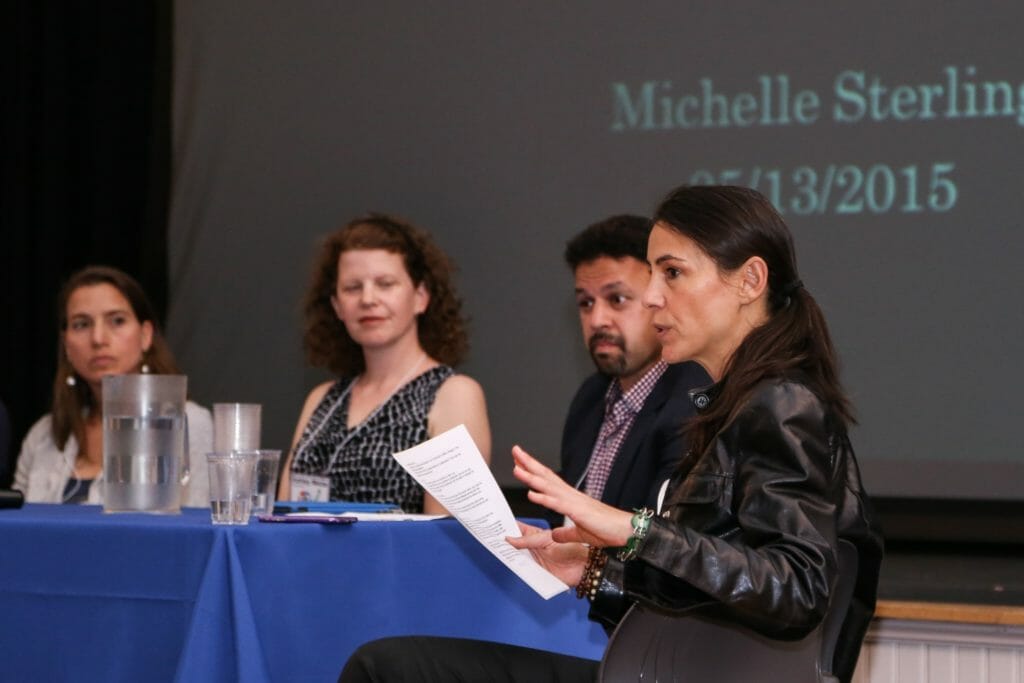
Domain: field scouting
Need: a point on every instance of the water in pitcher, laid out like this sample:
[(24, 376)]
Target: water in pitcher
[(142, 463)]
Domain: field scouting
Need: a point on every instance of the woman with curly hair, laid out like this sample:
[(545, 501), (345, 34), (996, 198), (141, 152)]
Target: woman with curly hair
[(382, 314)]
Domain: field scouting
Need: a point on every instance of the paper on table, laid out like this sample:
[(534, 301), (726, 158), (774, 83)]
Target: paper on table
[(393, 517), (451, 469)]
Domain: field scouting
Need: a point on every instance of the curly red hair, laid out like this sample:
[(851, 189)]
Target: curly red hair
[(441, 327)]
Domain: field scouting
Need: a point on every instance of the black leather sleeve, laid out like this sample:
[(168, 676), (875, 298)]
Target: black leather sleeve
[(611, 602), (753, 526)]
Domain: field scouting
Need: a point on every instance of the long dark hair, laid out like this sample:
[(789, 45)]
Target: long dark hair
[(70, 403), (731, 225), (441, 328)]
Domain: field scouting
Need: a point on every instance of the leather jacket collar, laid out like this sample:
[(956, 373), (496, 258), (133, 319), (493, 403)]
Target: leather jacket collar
[(702, 397)]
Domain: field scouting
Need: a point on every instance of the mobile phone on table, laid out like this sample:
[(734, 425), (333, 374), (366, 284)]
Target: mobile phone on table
[(308, 518)]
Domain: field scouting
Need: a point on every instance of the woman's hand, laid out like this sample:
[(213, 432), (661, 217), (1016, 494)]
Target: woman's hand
[(564, 560), (595, 523)]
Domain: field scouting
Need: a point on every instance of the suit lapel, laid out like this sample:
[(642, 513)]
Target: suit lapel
[(583, 440)]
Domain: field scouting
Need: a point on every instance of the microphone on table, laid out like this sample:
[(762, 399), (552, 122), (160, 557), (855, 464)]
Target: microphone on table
[(11, 499)]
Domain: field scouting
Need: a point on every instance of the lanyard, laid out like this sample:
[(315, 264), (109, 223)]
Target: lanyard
[(358, 428)]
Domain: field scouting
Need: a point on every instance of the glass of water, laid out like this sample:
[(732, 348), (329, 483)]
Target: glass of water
[(265, 492), (232, 485)]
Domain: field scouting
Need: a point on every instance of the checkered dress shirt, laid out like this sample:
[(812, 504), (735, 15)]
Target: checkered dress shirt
[(620, 411)]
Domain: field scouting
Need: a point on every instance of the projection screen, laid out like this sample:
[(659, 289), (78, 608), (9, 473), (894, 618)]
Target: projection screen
[(890, 135)]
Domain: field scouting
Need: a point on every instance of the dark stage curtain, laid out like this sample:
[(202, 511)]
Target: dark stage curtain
[(86, 149)]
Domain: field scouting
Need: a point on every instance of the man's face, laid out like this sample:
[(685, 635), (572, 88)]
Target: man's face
[(616, 326)]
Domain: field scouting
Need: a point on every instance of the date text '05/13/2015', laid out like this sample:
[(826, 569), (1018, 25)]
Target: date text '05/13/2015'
[(846, 189)]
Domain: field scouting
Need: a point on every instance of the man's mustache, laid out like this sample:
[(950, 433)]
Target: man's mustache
[(605, 337)]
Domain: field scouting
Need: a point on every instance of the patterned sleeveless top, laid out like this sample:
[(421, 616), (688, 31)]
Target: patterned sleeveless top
[(359, 461)]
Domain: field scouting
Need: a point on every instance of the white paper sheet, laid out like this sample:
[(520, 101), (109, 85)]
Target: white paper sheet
[(451, 469)]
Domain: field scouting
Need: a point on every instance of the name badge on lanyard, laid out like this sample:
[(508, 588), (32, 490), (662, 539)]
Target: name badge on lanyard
[(310, 487)]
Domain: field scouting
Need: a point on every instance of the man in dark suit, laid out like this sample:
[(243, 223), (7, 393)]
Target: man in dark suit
[(622, 436)]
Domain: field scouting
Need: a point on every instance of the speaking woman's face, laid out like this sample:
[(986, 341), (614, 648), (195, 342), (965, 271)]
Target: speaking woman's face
[(103, 336), (700, 313)]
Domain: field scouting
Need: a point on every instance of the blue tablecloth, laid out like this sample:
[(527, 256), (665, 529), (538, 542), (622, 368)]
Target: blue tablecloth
[(88, 597)]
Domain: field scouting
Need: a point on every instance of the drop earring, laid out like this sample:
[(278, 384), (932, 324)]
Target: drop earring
[(144, 369), (71, 381)]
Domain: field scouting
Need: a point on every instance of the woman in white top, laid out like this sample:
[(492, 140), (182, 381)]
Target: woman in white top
[(107, 327)]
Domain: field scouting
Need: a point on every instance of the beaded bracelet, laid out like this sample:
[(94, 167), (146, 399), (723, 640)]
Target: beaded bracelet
[(591, 579), (641, 523)]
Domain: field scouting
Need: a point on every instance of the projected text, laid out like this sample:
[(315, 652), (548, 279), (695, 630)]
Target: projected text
[(846, 188)]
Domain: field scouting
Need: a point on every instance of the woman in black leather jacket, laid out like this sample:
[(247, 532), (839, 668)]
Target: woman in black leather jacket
[(753, 519)]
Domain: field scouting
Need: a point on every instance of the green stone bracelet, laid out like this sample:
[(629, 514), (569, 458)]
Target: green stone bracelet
[(641, 523)]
